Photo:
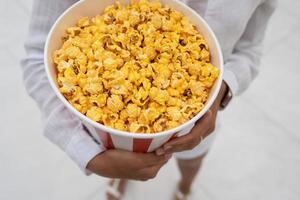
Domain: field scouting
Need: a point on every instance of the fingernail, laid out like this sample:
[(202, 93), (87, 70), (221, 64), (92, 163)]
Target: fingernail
[(160, 152), (168, 156)]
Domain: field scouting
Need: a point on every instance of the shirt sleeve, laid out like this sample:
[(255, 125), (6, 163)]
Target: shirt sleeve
[(240, 27), (242, 65), (60, 126)]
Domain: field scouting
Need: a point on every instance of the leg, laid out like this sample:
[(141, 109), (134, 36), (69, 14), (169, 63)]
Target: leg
[(189, 163), (116, 189), (188, 170)]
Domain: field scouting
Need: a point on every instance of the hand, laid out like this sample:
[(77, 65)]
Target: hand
[(202, 129), (127, 165)]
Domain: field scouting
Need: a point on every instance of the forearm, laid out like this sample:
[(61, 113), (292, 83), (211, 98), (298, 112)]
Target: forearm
[(60, 125)]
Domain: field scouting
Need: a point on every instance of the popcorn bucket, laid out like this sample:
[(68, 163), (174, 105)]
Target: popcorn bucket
[(112, 138)]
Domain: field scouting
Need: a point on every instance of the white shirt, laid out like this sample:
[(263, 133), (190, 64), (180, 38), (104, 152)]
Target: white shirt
[(238, 24)]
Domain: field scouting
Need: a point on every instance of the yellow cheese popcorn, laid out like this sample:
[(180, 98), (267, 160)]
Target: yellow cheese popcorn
[(142, 68), (133, 111), (139, 128), (115, 103), (174, 113), (94, 113)]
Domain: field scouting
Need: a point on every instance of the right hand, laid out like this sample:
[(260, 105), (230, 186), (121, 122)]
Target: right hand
[(127, 165)]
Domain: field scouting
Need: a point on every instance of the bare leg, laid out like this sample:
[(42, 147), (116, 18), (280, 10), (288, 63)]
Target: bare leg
[(188, 170)]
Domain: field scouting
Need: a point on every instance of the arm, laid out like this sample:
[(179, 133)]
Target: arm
[(240, 69), (242, 65), (240, 27), (60, 125)]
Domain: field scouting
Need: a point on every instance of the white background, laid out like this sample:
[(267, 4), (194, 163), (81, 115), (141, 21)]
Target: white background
[(255, 156)]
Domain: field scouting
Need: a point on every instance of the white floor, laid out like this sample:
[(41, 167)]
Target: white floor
[(256, 156)]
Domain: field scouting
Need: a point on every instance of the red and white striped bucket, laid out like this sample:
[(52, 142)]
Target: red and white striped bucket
[(113, 138), (135, 143)]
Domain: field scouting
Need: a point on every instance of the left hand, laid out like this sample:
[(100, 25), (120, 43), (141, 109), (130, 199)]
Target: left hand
[(203, 127)]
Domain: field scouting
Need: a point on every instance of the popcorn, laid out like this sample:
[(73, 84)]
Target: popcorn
[(142, 68)]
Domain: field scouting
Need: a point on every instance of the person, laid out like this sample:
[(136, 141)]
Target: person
[(240, 27)]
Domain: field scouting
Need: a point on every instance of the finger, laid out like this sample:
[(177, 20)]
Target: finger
[(201, 123), (188, 141), (151, 159), (200, 127), (164, 150), (149, 173), (177, 145)]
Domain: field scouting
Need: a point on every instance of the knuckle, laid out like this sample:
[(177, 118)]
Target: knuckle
[(152, 173), (210, 114), (152, 176), (143, 176), (163, 163), (147, 175), (212, 128), (196, 142), (190, 147), (210, 119), (194, 145), (143, 179), (192, 141)]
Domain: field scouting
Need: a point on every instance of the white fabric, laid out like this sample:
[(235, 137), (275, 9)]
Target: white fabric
[(239, 26), (201, 148), (179, 195), (114, 189)]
